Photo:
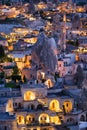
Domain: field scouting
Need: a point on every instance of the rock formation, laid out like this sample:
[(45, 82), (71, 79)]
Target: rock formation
[(44, 52)]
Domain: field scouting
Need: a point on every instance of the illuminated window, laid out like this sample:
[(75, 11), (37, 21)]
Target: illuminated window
[(44, 118), (54, 105), (20, 120), (55, 119), (68, 106), (29, 96), (30, 119)]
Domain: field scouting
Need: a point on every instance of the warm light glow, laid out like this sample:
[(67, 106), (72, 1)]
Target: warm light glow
[(20, 120), (29, 119), (77, 58), (80, 9), (21, 31), (68, 106), (54, 106), (30, 40), (10, 48), (44, 118), (49, 83), (29, 96), (41, 5), (20, 65), (9, 106), (43, 75), (55, 120)]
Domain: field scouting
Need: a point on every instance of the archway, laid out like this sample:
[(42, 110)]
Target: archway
[(29, 95), (70, 121), (29, 108), (44, 118), (20, 120), (30, 119), (67, 106), (19, 105), (32, 107), (54, 105), (39, 107), (82, 118)]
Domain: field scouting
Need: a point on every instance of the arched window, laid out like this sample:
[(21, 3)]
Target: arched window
[(29, 95), (32, 107), (54, 105), (55, 119), (30, 119), (82, 118), (44, 118), (70, 121), (20, 119), (40, 106), (67, 106), (19, 105)]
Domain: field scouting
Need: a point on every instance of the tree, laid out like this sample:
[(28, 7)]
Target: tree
[(2, 75), (15, 74), (24, 79), (77, 43), (3, 1), (7, 59), (2, 52), (7, 2), (79, 76), (15, 71)]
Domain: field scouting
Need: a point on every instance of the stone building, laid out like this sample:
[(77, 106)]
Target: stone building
[(28, 108)]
